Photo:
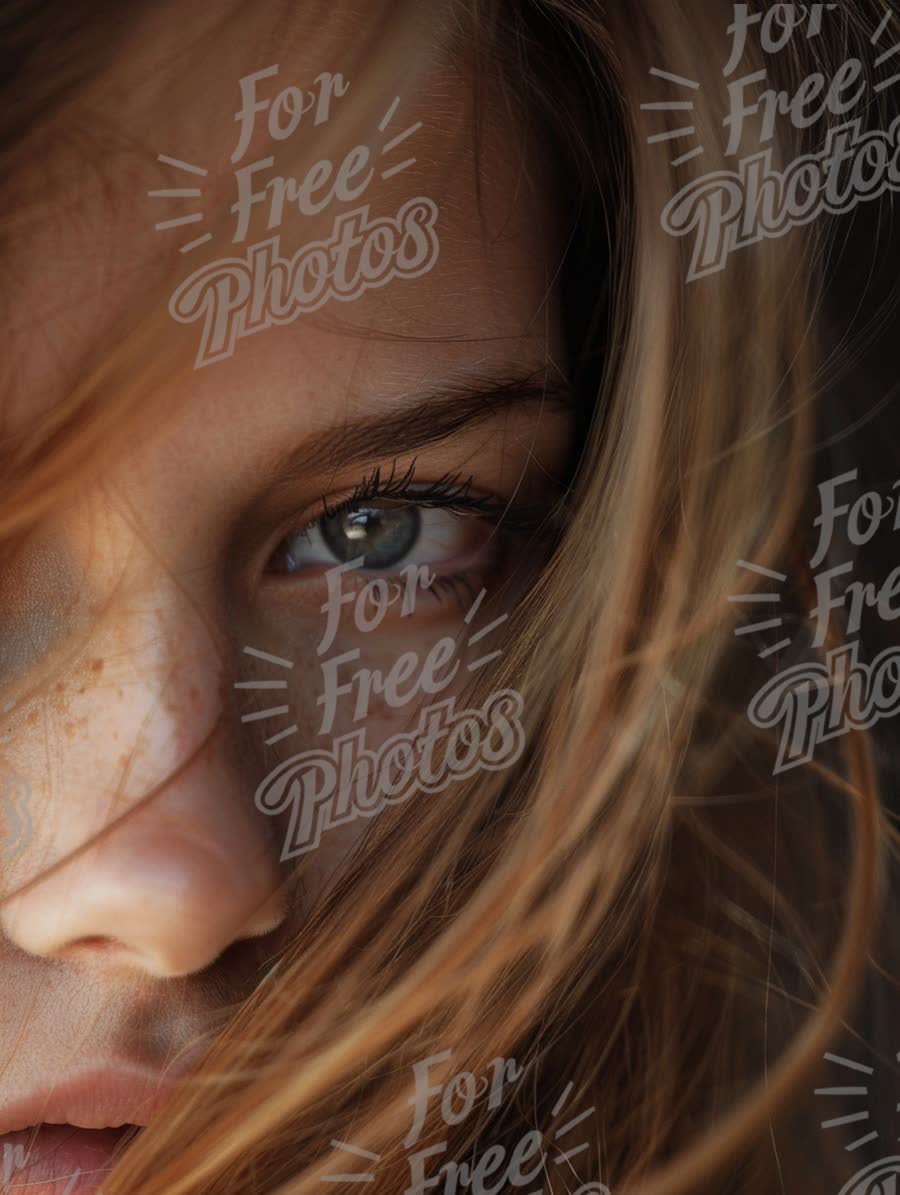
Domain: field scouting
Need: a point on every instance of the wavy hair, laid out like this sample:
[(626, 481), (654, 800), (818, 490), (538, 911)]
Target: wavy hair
[(637, 908)]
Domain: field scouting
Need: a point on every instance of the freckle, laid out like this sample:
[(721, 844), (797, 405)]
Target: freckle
[(70, 729), (32, 717), (83, 689), (96, 666), (59, 686)]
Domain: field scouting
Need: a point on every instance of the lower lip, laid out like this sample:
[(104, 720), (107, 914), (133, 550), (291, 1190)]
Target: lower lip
[(59, 1159)]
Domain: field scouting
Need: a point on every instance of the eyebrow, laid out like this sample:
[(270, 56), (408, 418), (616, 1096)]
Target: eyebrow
[(444, 412)]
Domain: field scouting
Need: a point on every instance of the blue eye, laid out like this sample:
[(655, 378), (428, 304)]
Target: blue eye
[(387, 537), (382, 537)]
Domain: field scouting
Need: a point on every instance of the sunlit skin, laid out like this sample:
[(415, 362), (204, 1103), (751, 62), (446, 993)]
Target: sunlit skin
[(131, 609)]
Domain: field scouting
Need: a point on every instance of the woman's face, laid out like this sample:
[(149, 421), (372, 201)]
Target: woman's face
[(171, 631)]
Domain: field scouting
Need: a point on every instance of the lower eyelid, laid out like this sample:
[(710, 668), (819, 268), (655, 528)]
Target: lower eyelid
[(450, 594), (456, 581)]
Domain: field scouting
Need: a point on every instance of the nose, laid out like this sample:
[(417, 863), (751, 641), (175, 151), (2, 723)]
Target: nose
[(165, 891), (164, 883)]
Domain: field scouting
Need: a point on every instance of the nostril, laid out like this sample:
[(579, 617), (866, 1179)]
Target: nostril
[(97, 945), (97, 941)]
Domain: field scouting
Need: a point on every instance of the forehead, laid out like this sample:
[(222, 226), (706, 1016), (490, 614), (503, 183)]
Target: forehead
[(334, 129)]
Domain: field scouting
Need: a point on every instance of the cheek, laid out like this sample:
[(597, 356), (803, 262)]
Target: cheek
[(378, 679), (138, 697), (377, 697), (148, 691)]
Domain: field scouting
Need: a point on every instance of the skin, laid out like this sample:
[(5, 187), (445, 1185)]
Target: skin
[(129, 610)]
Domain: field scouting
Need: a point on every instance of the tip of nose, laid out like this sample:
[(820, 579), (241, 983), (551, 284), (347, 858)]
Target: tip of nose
[(136, 922)]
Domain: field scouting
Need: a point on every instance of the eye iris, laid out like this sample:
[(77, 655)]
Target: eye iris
[(383, 537)]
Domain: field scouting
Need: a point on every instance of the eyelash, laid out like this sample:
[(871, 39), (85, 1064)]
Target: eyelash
[(449, 492)]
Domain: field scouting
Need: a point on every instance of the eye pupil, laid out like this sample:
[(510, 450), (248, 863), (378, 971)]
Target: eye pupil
[(382, 536)]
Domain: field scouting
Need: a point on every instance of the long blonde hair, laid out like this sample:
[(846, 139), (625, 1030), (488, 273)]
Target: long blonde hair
[(608, 913)]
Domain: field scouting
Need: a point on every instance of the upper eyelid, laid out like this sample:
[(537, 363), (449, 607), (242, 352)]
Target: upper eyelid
[(460, 405), (407, 487)]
